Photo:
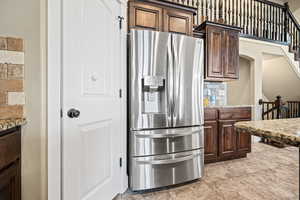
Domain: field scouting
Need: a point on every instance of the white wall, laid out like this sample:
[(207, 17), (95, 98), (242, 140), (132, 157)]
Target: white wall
[(280, 79), (239, 92), (23, 19)]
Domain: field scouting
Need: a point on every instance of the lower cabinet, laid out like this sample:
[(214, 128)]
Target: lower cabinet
[(10, 164), (211, 140), (221, 140), (227, 139)]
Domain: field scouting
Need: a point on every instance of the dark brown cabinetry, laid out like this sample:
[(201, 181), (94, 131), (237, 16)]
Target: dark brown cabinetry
[(222, 51), (221, 140), (160, 16), (10, 167)]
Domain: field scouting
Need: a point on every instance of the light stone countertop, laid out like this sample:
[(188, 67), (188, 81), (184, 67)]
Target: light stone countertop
[(6, 124), (230, 106), (282, 130)]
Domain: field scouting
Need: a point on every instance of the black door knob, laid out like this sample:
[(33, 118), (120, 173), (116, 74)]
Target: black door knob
[(73, 113)]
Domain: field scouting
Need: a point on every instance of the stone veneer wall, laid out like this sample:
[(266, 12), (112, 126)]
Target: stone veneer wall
[(12, 98)]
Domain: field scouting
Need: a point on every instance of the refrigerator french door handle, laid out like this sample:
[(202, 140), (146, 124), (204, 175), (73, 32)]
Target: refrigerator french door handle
[(167, 135), (170, 85)]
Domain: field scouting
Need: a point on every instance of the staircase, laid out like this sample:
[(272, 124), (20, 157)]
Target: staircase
[(259, 19)]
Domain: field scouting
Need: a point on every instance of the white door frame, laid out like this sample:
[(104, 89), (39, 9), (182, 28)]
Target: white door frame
[(54, 80)]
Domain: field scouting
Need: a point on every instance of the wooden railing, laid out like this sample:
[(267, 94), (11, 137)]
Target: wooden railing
[(260, 19), (279, 109)]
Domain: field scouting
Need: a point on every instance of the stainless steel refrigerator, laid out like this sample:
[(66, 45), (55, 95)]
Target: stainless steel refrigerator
[(165, 109)]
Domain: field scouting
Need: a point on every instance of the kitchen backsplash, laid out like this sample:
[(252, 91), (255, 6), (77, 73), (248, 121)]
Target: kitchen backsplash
[(12, 98), (215, 94)]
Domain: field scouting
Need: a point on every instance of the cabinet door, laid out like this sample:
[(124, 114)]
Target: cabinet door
[(243, 141), (210, 141), (214, 66), (177, 21), (227, 139), (231, 54), (10, 183), (145, 16)]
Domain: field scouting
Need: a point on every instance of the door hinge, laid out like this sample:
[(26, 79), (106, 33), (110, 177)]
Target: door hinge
[(120, 21), (121, 162), (120, 93)]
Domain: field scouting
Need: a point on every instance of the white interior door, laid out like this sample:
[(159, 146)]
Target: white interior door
[(91, 81)]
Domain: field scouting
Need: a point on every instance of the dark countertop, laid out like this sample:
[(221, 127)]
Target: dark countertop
[(6, 124), (282, 130)]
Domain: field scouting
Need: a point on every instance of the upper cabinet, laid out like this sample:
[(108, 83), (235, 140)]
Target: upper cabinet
[(143, 15), (222, 51), (160, 16)]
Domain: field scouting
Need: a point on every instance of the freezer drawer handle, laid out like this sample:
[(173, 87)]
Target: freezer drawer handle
[(169, 161), (166, 135)]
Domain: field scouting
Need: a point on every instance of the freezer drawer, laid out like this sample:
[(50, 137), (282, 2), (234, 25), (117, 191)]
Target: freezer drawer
[(158, 171), (162, 141)]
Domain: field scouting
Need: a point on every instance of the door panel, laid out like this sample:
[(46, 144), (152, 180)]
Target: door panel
[(177, 21), (231, 55), (188, 81), (91, 83), (227, 139), (164, 141), (210, 140), (150, 86), (243, 141), (145, 16), (214, 46)]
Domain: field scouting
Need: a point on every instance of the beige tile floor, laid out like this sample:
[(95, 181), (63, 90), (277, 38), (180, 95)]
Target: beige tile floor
[(268, 173)]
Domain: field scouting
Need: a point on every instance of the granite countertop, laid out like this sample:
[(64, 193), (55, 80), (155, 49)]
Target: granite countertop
[(11, 123), (230, 106), (282, 130)]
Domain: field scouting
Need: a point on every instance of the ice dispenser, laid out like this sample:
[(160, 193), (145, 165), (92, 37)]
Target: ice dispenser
[(153, 94)]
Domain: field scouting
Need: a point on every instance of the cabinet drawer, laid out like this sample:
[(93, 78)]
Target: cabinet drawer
[(10, 148), (210, 114), (235, 113), (165, 141)]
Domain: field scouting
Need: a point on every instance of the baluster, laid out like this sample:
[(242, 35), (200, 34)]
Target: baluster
[(269, 26), (214, 9), (263, 18), (268, 108), (248, 16), (233, 13), (225, 11), (244, 15), (211, 10), (263, 110), (201, 16), (277, 24), (221, 20), (251, 17), (206, 10), (241, 14), (237, 12), (259, 19), (229, 12), (273, 22), (254, 23), (273, 111)]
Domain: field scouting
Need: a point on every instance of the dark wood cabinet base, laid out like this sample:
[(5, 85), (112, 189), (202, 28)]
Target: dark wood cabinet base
[(10, 164), (221, 140)]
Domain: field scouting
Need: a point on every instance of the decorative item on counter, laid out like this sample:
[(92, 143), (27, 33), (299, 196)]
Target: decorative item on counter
[(206, 102)]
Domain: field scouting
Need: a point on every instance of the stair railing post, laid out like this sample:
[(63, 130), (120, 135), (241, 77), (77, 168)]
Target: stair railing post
[(278, 105)]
